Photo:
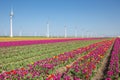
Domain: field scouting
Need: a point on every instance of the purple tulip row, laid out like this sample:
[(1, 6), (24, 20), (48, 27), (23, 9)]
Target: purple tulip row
[(114, 65), (30, 42), (83, 68), (50, 63), (43, 67)]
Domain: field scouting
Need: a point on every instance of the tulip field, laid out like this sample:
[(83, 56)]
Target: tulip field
[(60, 59)]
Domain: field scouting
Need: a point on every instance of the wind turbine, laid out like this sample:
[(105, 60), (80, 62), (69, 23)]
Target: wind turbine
[(35, 33), (82, 34), (20, 33), (75, 31), (87, 34), (11, 15), (65, 31), (48, 34)]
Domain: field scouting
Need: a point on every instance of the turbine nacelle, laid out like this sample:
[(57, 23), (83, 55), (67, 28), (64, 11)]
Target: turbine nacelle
[(11, 13)]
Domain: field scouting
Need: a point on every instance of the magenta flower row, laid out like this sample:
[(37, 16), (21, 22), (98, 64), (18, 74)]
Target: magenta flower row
[(113, 69), (84, 67), (42, 67), (30, 42)]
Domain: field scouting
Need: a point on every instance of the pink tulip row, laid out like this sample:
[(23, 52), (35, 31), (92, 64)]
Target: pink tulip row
[(43, 67), (114, 65), (30, 42), (84, 67)]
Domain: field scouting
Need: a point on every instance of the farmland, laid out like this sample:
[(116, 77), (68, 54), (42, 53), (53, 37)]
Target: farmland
[(59, 58)]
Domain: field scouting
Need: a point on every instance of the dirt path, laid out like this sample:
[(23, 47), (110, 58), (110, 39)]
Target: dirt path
[(102, 70)]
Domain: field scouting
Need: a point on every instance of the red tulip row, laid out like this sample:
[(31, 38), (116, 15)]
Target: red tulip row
[(114, 65), (84, 67), (44, 67), (31, 42)]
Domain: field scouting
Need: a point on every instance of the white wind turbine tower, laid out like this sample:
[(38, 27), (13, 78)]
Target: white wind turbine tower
[(48, 29), (20, 33), (11, 15), (65, 31), (35, 34), (75, 31), (82, 33)]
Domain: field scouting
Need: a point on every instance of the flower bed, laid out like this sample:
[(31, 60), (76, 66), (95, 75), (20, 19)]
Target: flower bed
[(114, 65), (84, 67), (43, 68), (30, 42)]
